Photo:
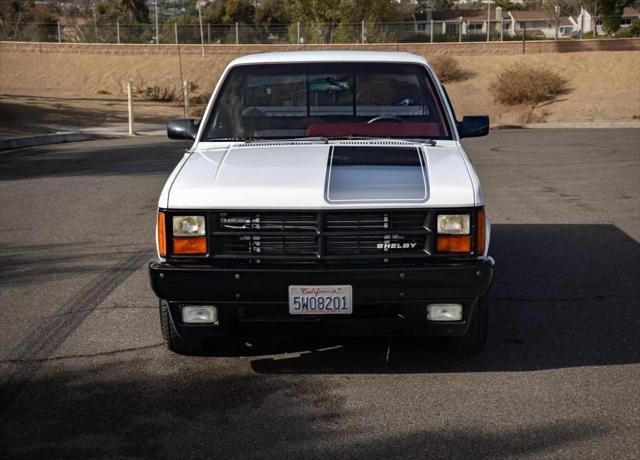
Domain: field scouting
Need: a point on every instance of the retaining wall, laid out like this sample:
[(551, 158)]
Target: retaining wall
[(426, 49)]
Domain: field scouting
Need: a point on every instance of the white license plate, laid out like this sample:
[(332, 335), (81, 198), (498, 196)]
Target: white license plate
[(320, 300)]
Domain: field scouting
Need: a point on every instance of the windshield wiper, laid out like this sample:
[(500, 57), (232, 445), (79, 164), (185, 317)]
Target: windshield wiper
[(352, 137), (226, 139), (321, 139)]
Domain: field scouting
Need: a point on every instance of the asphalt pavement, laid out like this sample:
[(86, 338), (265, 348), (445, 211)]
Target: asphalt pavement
[(84, 374)]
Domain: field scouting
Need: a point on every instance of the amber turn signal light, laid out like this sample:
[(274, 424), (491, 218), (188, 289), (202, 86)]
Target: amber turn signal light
[(190, 245), (453, 243), (161, 237)]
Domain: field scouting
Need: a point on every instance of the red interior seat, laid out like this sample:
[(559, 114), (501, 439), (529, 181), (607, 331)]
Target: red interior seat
[(382, 129)]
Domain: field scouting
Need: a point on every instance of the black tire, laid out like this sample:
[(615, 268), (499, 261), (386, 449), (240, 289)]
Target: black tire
[(174, 342), (476, 337)]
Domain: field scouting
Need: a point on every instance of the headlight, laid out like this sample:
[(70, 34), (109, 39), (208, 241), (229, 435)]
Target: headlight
[(454, 224), (189, 226)]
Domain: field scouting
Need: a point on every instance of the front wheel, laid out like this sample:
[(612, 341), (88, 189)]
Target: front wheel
[(476, 337)]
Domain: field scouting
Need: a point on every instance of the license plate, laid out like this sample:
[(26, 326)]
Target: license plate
[(320, 300)]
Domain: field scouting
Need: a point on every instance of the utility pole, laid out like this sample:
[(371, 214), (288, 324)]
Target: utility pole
[(431, 31), (489, 2), (157, 28), (201, 32)]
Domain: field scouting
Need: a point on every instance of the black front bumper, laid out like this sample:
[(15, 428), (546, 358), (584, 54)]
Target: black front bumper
[(385, 300)]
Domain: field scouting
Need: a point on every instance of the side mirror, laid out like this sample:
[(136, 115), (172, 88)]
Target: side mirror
[(182, 129), (474, 126)]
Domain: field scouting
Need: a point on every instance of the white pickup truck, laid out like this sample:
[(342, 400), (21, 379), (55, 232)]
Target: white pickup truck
[(325, 193)]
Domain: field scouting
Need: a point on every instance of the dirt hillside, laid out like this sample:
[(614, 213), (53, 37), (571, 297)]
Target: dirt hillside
[(38, 90)]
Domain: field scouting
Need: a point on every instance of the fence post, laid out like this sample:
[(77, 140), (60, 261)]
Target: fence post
[(118, 31), (431, 32), (581, 23), (208, 33), (201, 31), (237, 34), (59, 34), (524, 39), (460, 30), (362, 32), (175, 31), (130, 107), (185, 95), (298, 32), (502, 30)]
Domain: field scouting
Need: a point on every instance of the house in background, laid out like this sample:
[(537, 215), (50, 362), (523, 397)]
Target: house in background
[(458, 22), (467, 22), (585, 20), (540, 24)]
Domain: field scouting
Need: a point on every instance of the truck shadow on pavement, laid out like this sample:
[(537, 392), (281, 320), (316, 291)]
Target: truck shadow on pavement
[(111, 410), (563, 296), (140, 157)]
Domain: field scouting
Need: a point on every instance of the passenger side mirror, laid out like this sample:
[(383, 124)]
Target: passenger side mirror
[(184, 128), (474, 126)]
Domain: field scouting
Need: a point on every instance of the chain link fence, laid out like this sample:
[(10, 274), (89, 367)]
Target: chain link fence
[(212, 34)]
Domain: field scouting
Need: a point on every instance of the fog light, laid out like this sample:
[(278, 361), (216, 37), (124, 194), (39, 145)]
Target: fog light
[(199, 314), (444, 312)]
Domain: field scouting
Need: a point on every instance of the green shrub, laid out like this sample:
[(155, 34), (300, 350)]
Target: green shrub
[(632, 31), (523, 84)]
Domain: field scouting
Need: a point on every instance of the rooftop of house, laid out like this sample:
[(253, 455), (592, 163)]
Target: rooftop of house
[(531, 15)]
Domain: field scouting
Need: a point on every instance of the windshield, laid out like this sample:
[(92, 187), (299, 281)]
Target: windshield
[(279, 101)]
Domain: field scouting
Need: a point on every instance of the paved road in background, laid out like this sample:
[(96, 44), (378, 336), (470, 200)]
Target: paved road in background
[(84, 373)]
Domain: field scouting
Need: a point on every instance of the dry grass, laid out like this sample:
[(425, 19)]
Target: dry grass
[(167, 92), (605, 85), (447, 68), (523, 84), (160, 93)]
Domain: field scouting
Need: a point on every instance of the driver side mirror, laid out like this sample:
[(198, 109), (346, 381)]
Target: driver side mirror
[(473, 126), (183, 128)]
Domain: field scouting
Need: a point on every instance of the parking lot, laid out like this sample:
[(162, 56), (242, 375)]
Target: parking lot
[(84, 373)]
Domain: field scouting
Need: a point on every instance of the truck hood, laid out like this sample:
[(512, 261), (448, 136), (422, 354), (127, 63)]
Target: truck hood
[(307, 175)]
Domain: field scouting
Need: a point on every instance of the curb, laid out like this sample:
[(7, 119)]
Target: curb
[(572, 125), (43, 139)]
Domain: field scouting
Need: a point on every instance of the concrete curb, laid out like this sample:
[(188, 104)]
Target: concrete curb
[(43, 139), (77, 136), (572, 125)]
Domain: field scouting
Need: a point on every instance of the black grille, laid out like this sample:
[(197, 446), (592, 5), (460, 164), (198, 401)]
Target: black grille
[(267, 221), (356, 221), (318, 237)]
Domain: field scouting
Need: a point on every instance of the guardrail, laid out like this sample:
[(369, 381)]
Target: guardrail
[(295, 33)]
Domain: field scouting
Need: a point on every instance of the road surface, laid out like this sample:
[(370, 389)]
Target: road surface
[(84, 373)]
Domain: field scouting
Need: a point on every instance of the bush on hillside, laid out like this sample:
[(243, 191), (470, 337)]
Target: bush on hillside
[(447, 68), (523, 84)]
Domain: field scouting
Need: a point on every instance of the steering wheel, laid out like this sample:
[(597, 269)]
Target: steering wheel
[(385, 117)]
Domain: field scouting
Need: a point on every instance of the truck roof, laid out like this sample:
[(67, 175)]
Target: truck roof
[(329, 56)]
